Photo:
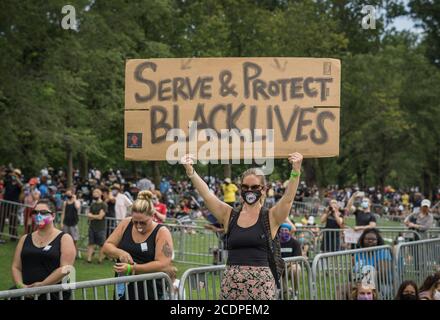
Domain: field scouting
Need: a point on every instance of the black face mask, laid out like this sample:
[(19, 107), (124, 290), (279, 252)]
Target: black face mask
[(408, 297), (96, 198), (250, 197)]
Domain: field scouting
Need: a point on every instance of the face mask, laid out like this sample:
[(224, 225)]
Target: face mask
[(96, 198), (285, 237), (114, 193), (42, 220), (301, 240), (368, 296), (251, 197), (69, 197), (409, 296), (437, 295), (364, 204)]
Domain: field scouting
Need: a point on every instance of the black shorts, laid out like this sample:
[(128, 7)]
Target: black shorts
[(97, 237)]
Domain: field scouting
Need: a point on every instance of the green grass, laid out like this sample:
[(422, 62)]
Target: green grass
[(200, 244)]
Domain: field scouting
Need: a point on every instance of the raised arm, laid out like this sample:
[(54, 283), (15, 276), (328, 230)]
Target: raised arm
[(351, 201), (280, 211), (218, 208)]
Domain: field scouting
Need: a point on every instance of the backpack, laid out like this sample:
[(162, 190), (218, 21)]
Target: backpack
[(276, 262)]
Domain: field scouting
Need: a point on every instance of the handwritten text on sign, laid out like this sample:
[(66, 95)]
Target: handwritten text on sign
[(298, 98)]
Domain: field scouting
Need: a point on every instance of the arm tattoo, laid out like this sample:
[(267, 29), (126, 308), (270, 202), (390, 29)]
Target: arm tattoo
[(166, 250)]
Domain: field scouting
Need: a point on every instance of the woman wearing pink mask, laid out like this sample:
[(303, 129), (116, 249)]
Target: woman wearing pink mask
[(361, 292), (45, 256)]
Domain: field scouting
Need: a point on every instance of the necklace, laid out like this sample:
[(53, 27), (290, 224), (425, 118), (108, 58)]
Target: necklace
[(42, 240)]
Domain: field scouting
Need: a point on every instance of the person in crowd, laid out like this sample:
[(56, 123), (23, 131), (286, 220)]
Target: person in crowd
[(229, 192), (160, 213), (30, 200), (407, 291), (430, 289), (110, 201), (421, 221), (363, 292), (97, 229), (70, 217), (122, 204), (45, 256), (140, 246), (333, 219), (379, 260), (250, 231), (290, 247), (365, 219), (13, 192)]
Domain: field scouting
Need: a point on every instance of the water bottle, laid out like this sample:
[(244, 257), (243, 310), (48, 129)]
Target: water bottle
[(120, 288)]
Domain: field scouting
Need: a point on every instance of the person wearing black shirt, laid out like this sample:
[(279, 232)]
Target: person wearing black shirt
[(365, 219), (12, 192), (333, 220)]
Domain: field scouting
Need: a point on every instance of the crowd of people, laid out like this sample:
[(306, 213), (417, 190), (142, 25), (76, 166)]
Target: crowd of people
[(254, 217)]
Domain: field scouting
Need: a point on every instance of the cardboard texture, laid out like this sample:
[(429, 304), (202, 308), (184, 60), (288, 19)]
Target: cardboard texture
[(299, 98)]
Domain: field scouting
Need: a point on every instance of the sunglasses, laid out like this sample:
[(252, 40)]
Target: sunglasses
[(255, 187), (141, 223), (42, 212)]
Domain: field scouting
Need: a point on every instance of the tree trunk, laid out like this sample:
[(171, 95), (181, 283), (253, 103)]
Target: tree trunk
[(84, 165), (310, 172), (69, 166), (227, 169), (156, 174)]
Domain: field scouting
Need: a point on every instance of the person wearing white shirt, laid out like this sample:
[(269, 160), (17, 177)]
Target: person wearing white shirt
[(122, 204)]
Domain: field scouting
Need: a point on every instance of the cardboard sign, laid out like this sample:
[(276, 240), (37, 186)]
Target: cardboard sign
[(351, 236), (291, 104)]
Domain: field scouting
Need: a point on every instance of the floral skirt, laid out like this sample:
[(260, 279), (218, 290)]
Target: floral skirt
[(248, 283)]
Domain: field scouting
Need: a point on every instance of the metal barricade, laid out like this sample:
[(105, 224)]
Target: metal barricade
[(331, 240), (152, 286), (201, 283), (416, 260), (336, 274), (296, 281), (194, 244), (307, 239), (9, 218)]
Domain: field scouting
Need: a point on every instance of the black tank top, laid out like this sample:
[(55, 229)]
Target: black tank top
[(70, 215), (141, 253), (247, 246), (39, 263)]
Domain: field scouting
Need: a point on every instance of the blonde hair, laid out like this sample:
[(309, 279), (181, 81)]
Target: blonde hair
[(354, 291), (143, 203), (259, 174)]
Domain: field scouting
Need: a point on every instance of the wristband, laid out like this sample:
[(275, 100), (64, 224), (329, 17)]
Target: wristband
[(294, 174), (134, 271), (128, 269), (19, 285)]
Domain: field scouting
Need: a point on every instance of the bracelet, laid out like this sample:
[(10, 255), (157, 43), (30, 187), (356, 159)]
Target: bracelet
[(19, 285), (128, 269), (294, 174)]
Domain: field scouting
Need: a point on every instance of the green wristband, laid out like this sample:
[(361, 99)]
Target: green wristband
[(294, 174), (128, 269), (19, 286)]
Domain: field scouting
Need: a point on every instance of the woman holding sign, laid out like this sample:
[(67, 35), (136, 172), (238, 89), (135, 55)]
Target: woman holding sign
[(252, 268)]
